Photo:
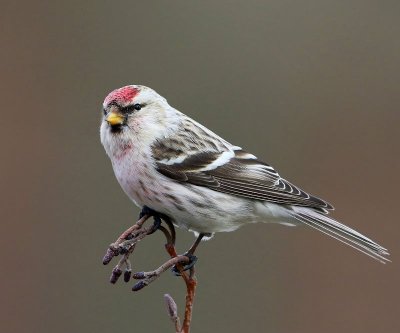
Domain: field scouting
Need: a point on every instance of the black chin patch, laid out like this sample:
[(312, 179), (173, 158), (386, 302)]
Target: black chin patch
[(116, 128)]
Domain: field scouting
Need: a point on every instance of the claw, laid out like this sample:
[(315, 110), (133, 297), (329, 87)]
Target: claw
[(156, 216), (147, 211), (192, 262), (156, 225)]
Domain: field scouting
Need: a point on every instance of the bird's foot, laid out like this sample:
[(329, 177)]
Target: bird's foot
[(156, 216), (192, 261), (147, 211), (190, 255)]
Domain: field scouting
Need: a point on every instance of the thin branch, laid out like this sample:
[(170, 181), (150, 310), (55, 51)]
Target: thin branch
[(172, 309), (148, 277), (114, 250), (191, 284), (125, 245)]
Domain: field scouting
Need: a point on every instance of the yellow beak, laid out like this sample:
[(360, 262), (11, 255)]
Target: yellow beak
[(114, 118)]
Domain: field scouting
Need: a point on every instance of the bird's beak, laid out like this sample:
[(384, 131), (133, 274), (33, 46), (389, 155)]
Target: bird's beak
[(114, 118)]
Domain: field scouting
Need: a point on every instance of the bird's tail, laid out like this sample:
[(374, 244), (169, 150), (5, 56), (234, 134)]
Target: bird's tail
[(340, 232)]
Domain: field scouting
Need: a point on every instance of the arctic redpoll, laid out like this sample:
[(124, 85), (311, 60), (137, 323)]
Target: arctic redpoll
[(170, 163)]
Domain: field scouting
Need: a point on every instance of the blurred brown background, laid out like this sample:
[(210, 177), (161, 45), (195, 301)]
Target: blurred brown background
[(311, 87)]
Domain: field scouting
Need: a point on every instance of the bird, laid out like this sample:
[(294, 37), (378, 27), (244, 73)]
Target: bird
[(168, 162)]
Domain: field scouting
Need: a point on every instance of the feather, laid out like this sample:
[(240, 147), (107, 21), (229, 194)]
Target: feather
[(229, 170), (340, 232), (204, 182)]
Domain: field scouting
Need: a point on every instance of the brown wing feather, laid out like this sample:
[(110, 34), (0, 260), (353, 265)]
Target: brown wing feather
[(241, 176)]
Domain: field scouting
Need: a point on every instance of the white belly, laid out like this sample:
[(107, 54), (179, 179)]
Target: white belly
[(191, 207)]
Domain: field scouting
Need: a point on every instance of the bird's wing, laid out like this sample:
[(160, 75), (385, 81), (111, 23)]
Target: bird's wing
[(228, 169), (217, 165)]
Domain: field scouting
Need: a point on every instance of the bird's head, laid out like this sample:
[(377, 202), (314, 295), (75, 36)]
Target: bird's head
[(123, 107), (133, 113)]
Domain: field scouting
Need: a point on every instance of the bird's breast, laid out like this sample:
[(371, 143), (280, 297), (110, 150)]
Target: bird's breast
[(138, 178)]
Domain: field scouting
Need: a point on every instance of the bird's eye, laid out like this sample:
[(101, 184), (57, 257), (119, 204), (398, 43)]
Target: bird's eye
[(131, 108)]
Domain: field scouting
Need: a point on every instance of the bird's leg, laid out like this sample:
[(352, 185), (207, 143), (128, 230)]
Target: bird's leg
[(190, 255), (156, 216), (171, 230)]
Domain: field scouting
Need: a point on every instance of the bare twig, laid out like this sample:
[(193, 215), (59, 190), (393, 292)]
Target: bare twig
[(191, 284), (114, 250), (172, 309), (148, 277), (125, 245)]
